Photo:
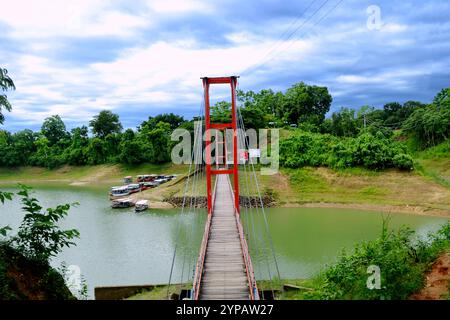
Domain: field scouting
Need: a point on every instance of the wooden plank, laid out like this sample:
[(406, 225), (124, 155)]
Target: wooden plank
[(224, 273)]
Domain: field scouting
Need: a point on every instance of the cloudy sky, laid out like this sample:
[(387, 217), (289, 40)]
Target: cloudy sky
[(144, 57)]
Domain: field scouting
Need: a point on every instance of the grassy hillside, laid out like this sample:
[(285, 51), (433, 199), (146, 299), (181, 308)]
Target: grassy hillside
[(435, 163)]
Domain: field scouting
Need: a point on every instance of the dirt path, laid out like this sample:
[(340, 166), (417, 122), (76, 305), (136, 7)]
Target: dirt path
[(438, 281)]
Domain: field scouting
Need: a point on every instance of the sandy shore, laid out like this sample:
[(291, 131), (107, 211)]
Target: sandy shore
[(416, 210)]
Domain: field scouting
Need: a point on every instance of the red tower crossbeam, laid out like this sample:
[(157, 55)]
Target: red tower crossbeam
[(221, 126)]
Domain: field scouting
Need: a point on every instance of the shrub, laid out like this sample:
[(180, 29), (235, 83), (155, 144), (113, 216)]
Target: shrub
[(366, 150), (402, 259), (403, 161), (39, 237)]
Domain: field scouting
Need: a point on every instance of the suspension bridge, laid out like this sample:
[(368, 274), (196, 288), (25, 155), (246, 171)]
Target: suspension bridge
[(222, 269)]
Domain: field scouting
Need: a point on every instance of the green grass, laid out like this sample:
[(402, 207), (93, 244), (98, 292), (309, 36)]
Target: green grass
[(434, 163), (373, 191)]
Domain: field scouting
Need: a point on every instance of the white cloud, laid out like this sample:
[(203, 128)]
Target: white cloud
[(145, 74), (393, 28), (72, 18), (162, 73), (177, 7)]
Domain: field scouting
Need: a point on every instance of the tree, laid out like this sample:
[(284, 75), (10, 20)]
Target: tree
[(39, 237), (304, 103), (23, 145), (344, 123), (157, 143), (172, 119), (54, 129), (131, 150), (221, 112), (395, 113), (431, 124), (261, 109), (75, 154), (96, 151), (105, 123), (6, 84)]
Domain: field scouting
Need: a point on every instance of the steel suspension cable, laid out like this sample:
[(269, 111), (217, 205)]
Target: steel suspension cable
[(263, 61), (257, 209), (262, 204), (178, 228), (249, 215)]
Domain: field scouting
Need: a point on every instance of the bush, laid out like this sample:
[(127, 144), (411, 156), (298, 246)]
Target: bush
[(366, 150), (402, 259), (403, 161), (39, 237)]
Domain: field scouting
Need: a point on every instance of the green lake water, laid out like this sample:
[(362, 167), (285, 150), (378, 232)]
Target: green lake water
[(120, 247)]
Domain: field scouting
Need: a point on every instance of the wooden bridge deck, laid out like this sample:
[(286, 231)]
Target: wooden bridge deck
[(224, 273)]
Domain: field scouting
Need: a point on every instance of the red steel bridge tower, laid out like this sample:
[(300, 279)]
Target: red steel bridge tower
[(222, 127)]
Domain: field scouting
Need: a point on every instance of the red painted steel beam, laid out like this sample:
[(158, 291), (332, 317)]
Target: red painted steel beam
[(207, 145), (223, 171), (235, 155), (219, 80), (221, 126)]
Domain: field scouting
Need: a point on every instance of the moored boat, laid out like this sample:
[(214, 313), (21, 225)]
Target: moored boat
[(123, 203), (141, 205), (133, 188), (117, 192), (147, 185), (146, 177)]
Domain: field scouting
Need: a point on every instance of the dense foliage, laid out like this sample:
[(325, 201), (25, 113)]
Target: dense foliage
[(366, 150), (401, 257), (430, 125), (54, 146)]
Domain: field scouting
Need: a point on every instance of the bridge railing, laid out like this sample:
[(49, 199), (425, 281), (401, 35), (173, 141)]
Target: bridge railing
[(253, 288), (201, 258)]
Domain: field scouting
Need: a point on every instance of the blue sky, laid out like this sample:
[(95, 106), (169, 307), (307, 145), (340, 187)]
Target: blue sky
[(140, 58)]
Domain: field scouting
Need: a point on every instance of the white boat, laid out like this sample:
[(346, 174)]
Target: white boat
[(160, 181), (133, 188), (123, 203), (141, 205), (117, 192)]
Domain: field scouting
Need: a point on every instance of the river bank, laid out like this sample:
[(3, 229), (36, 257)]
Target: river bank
[(387, 191)]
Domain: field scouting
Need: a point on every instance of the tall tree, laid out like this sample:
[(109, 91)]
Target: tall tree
[(221, 112), (54, 129), (6, 84), (344, 123), (305, 103), (105, 123), (172, 119)]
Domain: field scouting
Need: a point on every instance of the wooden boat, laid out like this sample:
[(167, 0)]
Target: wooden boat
[(141, 205), (123, 203)]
